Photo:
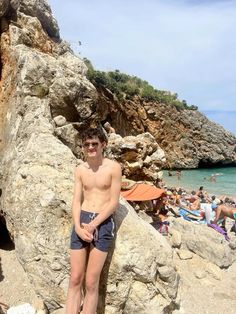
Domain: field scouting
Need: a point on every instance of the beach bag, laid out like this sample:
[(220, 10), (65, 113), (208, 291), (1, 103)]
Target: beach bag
[(162, 227)]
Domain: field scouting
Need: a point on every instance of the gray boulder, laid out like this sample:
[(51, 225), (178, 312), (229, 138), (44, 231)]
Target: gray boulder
[(205, 242)]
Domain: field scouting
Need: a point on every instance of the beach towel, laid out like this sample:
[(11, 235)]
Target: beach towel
[(220, 230), (193, 212)]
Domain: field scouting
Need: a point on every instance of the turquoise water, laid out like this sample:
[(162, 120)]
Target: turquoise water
[(193, 179)]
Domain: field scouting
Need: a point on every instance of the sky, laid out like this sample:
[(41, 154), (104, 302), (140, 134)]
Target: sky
[(187, 47)]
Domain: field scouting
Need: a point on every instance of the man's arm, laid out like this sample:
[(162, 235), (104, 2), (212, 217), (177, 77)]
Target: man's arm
[(114, 199), (218, 214), (76, 207)]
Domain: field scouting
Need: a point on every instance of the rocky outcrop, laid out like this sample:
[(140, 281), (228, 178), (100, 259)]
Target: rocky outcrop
[(203, 241), (187, 137), (205, 262), (140, 279), (140, 156)]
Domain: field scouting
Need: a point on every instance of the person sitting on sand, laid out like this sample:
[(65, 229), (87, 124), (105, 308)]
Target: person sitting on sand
[(223, 211), (201, 193), (159, 205), (174, 198)]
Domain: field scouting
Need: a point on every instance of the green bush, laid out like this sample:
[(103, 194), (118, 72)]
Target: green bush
[(126, 87)]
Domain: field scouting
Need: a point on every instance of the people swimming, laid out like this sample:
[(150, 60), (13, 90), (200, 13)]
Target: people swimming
[(178, 174), (213, 177)]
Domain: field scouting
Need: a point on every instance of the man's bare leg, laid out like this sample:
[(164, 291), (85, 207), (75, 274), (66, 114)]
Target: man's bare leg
[(78, 260), (96, 261)]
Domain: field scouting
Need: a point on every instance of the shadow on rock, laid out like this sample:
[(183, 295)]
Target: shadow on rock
[(5, 240), (3, 308), (119, 217), (1, 273)]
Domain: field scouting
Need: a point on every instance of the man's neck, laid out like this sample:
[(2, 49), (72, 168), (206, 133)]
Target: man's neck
[(95, 162)]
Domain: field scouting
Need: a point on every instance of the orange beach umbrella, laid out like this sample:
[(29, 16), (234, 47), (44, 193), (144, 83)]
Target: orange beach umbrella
[(142, 192)]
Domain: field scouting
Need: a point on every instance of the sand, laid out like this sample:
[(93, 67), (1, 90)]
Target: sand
[(15, 287)]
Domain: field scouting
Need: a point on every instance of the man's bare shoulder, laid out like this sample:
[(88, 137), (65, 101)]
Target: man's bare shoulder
[(81, 167), (112, 163), (114, 167)]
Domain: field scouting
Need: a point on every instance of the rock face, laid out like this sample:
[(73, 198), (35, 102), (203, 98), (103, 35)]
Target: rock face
[(204, 242), (187, 137), (139, 279), (205, 262), (46, 101), (140, 156)]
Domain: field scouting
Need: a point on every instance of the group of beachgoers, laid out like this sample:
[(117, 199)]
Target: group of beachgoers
[(197, 206)]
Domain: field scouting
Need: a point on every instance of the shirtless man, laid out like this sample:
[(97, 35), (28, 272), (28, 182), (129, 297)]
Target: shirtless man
[(109, 128), (96, 197), (224, 211)]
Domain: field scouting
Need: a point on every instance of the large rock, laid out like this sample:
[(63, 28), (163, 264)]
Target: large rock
[(41, 10), (205, 242), (141, 156), (141, 275)]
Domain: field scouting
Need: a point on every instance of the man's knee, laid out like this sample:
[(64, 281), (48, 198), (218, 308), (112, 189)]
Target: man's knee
[(92, 283), (76, 280)]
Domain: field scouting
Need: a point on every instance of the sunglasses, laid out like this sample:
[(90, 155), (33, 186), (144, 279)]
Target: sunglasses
[(92, 144)]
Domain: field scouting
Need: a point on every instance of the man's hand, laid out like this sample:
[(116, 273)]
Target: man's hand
[(89, 227), (84, 234)]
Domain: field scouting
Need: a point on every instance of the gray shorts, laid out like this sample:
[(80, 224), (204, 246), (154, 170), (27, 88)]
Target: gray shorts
[(103, 234)]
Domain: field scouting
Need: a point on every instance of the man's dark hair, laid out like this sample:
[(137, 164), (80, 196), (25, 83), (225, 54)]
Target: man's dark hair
[(94, 132)]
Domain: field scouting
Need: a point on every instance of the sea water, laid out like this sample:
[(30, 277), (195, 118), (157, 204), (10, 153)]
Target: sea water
[(225, 183)]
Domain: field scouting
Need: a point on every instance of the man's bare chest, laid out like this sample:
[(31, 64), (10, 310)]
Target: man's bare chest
[(100, 179)]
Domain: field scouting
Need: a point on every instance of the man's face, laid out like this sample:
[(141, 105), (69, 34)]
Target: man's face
[(92, 147)]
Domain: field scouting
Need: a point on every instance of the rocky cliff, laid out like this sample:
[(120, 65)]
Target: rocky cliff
[(187, 137)]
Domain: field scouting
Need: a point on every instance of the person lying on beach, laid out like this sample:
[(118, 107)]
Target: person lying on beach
[(192, 197), (223, 211), (194, 206)]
